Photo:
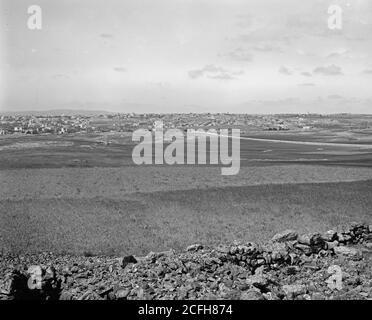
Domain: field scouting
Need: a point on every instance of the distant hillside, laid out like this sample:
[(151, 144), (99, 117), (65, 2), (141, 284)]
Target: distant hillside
[(57, 112)]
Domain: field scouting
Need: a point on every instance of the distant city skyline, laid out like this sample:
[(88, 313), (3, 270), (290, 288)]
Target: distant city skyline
[(238, 56)]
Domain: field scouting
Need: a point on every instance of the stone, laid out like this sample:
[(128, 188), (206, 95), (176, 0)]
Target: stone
[(332, 245), (330, 235), (287, 235), (195, 274), (127, 260), (343, 238), (194, 247), (316, 241), (258, 281), (223, 249), (65, 296), (122, 293), (294, 290), (317, 296), (306, 249), (347, 251), (368, 237), (251, 295), (304, 239)]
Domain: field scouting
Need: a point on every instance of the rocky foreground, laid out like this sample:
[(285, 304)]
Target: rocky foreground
[(334, 265)]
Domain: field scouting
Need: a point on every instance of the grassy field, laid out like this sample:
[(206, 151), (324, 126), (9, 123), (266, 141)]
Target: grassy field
[(141, 222), (115, 150), (76, 194)]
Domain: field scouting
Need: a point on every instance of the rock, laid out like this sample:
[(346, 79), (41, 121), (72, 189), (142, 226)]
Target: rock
[(281, 270), (317, 296), (347, 251), (65, 296), (122, 293), (127, 260), (291, 270), (16, 285), (317, 243), (356, 225), (258, 281), (85, 295), (304, 239), (306, 249), (332, 245), (368, 245), (343, 238), (105, 292), (194, 247), (223, 249), (368, 237), (294, 290), (330, 235), (284, 236), (251, 295)]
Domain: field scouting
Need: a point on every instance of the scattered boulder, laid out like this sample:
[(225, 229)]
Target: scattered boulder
[(304, 239), (347, 251), (258, 281), (251, 295), (37, 283), (122, 293), (306, 249), (330, 236), (194, 247), (127, 260), (317, 243), (294, 290), (290, 267), (287, 235)]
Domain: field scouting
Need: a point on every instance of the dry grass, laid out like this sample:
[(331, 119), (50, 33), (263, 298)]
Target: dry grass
[(141, 222)]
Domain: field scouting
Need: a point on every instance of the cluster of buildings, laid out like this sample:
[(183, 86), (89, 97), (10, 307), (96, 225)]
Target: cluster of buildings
[(42, 124), (128, 122)]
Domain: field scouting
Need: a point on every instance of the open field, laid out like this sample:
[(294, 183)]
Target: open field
[(115, 150), (141, 222), (115, 183), (82, 193)]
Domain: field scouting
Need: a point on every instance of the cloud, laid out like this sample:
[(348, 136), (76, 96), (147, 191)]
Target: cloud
[(331, 70), (303, 53), (367, 71), (120, 69), (240, 54), (59, 76), (245, 20), (106, 35), (214, 72), (267, 47), (222, 76), (285, 70), (308, 84), (335, 96), (306, 74), (339, 53)]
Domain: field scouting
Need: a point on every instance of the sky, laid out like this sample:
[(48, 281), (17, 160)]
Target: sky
[(245, 56)]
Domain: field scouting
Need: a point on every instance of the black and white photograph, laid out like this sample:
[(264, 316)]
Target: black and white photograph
[(203, 151)]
